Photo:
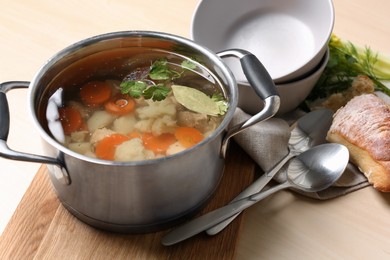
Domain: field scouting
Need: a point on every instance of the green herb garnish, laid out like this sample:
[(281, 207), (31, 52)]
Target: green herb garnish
[(187, 64), (221, 103), (347, 61), (156, 93), (161, 71), (133, 88)]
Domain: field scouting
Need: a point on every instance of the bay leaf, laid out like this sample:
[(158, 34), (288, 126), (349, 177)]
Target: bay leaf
[(195, 100)]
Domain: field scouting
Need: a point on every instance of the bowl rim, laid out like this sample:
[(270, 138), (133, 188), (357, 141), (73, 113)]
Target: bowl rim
[(291, 74)]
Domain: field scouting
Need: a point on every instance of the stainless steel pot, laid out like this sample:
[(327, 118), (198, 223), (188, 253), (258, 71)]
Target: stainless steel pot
[(138, 196)]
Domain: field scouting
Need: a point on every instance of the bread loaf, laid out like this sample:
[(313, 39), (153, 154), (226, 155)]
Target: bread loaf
[(363, 126)]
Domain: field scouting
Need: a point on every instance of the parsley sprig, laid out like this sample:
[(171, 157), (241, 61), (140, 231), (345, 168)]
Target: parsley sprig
[(157, 92), (159, 71), (190, 98), (221, 102), (133, 88)]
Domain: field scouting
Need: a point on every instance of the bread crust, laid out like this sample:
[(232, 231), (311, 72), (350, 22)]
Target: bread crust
[(363, 126)]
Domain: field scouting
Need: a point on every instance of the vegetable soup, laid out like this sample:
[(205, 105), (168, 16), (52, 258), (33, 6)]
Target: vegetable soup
[(137, 105)]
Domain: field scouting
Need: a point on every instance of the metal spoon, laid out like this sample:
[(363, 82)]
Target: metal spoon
[(310, 130), (311, 171)]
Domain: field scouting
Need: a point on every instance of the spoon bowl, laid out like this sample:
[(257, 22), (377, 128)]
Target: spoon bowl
[(312, 171), (309, 130), (306, 171)]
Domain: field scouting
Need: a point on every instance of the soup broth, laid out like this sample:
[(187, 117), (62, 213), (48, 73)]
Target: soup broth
[(133, 104)]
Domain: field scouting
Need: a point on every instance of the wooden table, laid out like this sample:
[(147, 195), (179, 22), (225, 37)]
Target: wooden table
[(284, 226)]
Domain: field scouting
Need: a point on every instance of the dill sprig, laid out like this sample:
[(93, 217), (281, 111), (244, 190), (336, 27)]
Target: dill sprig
[(347, 61)]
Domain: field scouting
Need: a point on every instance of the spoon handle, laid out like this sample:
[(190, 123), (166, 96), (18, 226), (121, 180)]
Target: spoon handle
[(208, 220), (255, 187)]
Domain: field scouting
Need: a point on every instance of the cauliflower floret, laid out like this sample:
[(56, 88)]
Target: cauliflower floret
[(144, 126), (99, 134), (100, 119), (175, 148), (124, 124), (157, 117), (165, 124), (157, 109), (156, 126), (132, 150), (79, 136)]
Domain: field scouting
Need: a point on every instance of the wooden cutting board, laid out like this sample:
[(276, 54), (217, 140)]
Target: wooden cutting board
[(42, 228)]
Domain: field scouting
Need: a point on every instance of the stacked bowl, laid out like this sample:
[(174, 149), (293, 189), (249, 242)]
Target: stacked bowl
[(290, 38)]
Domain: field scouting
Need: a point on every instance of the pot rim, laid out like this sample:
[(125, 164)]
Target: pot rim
[(217, 61)]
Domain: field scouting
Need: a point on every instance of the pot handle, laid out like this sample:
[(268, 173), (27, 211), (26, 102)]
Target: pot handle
[(260, 80), (8, 153)]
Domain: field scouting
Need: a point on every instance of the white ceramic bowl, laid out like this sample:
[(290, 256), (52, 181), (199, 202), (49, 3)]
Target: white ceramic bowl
[(291, 94), (288, 36)]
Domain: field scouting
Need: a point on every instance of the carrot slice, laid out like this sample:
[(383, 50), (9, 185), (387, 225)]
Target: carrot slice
[(71, 119), (159, 143), (120, 105), (95, 93), (188, 136), (105, 148)]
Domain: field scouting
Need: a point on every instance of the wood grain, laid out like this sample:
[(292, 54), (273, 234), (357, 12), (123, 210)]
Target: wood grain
[(43, 229), (30, 223)]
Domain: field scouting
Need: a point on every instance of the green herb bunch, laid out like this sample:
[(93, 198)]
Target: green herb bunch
[(347, 61)]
